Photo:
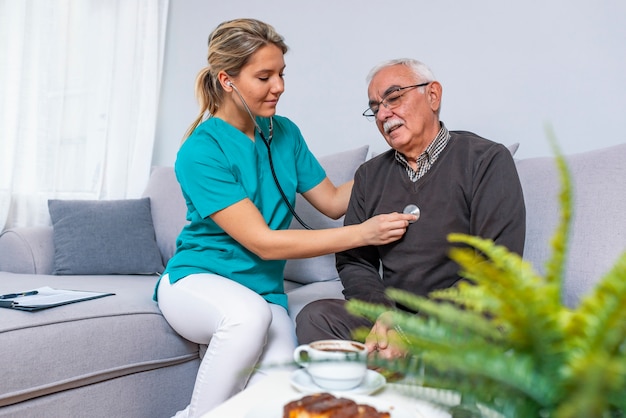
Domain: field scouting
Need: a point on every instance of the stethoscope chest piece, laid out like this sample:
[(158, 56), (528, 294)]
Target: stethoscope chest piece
[(413, 210)]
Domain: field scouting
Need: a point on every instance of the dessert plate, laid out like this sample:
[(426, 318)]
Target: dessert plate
[(302, 382), (275, 409)]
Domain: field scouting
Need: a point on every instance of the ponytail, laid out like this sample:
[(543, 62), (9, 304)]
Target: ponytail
[(208, 94)]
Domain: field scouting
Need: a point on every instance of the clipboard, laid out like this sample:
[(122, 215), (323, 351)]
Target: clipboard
[(46, 297)]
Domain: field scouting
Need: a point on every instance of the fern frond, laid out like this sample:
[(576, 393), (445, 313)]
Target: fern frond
[(448, 345), (598, 322), (509, 369), (599, 375), (616, 399), (472, 297), (527, 306), (367, 310), (487, 393), (555, 266), (422, 333), (464, 321), (596, 362), (438, 327)]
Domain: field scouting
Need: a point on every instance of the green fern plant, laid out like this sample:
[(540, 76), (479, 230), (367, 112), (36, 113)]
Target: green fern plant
[(505, 340)]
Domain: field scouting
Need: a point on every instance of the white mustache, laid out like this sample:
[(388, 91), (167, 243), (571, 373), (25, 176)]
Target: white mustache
[(392, 123)]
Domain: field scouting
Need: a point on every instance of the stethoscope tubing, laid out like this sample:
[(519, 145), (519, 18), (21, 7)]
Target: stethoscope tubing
[(268, 142)]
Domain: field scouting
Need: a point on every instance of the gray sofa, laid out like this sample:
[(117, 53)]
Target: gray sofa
[(117, 356)]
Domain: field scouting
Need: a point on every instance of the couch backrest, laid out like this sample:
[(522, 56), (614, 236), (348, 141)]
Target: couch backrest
[(598, 229), (169, 211)]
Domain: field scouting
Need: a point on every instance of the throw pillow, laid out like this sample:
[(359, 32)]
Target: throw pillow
[(340, 168), (104, 237)]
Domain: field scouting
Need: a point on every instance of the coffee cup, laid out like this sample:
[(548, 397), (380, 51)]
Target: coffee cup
[(333, 364)]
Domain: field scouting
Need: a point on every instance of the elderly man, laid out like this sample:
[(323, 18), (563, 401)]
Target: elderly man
[(459, 181)]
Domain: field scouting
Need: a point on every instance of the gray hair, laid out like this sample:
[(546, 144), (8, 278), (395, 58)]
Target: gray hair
[(420, 69)]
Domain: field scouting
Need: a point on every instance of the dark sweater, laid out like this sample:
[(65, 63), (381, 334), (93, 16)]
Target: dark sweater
[(472, 188)]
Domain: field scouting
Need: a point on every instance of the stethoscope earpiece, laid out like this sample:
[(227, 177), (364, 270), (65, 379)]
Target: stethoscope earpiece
[(413, 210)]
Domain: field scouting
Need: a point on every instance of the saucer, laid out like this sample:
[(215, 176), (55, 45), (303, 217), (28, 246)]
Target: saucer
[(302, 381)]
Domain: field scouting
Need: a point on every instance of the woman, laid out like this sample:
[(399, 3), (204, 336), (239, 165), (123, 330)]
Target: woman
[(224, 285)]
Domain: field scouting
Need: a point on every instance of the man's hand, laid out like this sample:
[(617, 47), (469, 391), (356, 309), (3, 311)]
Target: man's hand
[(384, 341)]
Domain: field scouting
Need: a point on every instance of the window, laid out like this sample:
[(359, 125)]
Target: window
[(79, 82)]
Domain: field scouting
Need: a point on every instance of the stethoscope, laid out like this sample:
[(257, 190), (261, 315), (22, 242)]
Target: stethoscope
[(410, 209), (267, 141), (413, 210)]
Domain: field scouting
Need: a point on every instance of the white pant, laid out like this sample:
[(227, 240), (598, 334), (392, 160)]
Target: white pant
[(241, 329)]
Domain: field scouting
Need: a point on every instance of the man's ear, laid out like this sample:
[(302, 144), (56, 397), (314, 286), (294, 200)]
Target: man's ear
[(434, 95)]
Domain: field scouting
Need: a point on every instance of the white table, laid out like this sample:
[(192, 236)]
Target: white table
[(275, 391)]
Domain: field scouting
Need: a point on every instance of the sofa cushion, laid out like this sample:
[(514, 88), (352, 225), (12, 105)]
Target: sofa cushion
[(340, 168), (598, 229), (88, 342), (104, 237)]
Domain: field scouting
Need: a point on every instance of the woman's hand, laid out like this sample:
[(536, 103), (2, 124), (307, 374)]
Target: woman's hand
[(386, 228)]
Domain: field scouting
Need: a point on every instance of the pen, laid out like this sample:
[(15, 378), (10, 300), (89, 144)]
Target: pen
[(17, 295)]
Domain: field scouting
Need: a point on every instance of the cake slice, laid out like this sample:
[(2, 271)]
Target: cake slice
[(325, 405)]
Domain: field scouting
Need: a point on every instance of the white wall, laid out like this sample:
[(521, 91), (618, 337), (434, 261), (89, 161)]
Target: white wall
[(507, 68)]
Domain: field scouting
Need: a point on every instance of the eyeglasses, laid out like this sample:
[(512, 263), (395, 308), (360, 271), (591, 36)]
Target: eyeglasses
[(390, 100)]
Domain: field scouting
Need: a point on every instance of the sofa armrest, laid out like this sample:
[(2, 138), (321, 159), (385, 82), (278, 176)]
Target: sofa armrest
[(27, 250)]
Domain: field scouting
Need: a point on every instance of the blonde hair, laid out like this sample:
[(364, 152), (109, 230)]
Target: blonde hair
[(231, 45)]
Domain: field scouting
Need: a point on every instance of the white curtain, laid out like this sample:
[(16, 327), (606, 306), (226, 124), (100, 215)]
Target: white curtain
[(79, 84)]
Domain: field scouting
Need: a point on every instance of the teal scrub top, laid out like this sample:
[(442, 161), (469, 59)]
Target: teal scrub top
[(218, 166)]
